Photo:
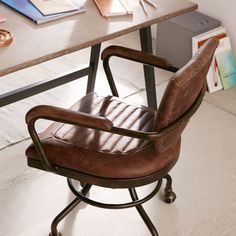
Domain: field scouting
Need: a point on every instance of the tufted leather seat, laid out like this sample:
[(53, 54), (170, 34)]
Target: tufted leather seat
[(107, 142), (101, 153)]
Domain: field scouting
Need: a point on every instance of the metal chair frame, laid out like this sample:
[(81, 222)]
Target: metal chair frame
[(57, 114)]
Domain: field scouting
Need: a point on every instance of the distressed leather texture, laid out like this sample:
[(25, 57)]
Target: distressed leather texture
[(101, 153), (181, 92), (108, 155)]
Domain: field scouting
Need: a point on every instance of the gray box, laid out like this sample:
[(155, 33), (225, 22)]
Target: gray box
[(174, 36)]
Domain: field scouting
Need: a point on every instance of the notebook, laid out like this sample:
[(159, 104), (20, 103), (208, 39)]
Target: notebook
[(27, 9), (49, 7), (113, 7)]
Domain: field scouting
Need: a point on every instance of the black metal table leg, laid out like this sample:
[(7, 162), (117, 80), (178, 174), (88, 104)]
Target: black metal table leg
[(146, 46), (94, 59)]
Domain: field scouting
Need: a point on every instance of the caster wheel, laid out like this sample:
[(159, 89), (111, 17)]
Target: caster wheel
[(82, 184), (169, 196), (58, 234)]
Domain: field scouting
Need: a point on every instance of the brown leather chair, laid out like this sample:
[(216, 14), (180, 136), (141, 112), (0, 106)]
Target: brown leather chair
[(107, 142)]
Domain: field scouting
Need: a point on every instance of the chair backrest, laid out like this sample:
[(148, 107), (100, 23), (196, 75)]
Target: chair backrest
[(183, 90)]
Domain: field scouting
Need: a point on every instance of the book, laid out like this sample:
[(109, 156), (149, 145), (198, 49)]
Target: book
[(110, 8), (50, 7), (213, 77), (27, 9), (2, 18), (226, 63)]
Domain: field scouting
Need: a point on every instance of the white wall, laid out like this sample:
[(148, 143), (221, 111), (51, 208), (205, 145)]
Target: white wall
[(223, 10)]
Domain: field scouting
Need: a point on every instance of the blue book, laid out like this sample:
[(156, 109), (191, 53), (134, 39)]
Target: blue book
[(29, 10)]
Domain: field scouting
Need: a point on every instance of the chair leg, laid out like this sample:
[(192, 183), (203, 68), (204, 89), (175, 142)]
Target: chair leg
[(169, 195), (142, 213), (66, 211)]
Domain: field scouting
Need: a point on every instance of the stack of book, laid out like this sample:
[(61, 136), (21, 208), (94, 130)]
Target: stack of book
[(222, 73), (41, 11), (110, 8)]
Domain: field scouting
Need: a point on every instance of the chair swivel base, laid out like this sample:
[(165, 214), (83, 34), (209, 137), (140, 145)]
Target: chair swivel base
[(136, 202), (57, 234)]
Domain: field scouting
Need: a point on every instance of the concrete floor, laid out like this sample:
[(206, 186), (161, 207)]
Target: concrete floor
[(204, 178)]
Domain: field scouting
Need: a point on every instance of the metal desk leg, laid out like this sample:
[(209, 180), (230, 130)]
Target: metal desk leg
[(94, 58), (146, 46)]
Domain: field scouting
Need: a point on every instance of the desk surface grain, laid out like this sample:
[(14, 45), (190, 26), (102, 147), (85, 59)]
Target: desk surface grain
[(33, 44)]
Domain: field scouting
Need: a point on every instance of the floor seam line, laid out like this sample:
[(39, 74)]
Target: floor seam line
[(221, 108)]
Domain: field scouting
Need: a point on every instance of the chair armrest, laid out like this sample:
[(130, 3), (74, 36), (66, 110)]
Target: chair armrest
[(65, 116), (135, 55), (68, 116)]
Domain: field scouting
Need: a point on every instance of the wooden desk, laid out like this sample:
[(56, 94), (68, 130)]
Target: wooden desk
[(34, 44)]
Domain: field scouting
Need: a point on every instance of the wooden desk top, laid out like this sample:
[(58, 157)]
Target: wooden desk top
[(33, 44)]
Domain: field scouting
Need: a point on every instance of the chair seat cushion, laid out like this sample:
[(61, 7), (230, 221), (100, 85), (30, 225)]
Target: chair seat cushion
[(101, 153)]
